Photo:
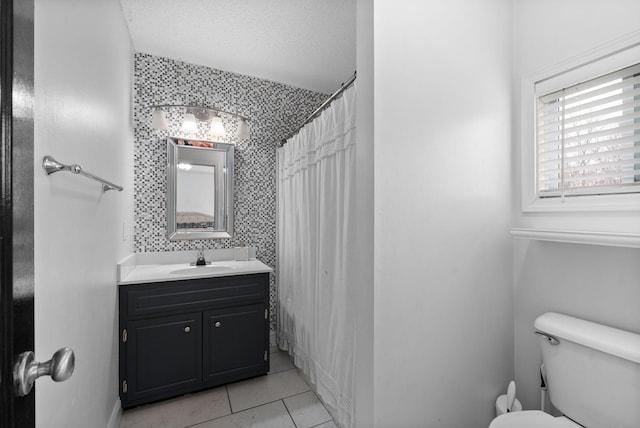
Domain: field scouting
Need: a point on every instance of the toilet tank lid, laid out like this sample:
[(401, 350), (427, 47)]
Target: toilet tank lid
[(620, 343)]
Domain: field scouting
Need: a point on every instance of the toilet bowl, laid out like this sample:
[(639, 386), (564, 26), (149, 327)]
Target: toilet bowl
[(532, 419)]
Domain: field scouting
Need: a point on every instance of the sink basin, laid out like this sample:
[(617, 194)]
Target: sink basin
[(195, 270)]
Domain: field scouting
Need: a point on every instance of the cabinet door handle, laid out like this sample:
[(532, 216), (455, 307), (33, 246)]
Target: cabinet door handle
[(187, 329), (218, 324)]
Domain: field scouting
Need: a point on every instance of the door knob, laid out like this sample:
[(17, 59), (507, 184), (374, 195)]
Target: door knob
[(26, 370)]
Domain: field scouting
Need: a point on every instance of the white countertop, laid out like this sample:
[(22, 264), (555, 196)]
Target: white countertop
[(160, 268)]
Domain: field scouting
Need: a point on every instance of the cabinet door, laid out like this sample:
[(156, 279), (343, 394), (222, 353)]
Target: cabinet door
[(235, 344), (164, 356)]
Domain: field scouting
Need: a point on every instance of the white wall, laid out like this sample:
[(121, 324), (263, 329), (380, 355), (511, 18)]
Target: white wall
[(594, 282), (83, 62), (443, 318), (363, 292)]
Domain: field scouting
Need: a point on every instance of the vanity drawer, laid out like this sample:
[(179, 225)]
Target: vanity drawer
[(141, 300)]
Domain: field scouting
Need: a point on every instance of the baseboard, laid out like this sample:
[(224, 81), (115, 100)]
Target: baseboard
[(116, 415)]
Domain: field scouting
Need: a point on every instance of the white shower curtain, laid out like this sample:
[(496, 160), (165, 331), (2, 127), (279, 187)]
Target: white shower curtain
[(315, 241)]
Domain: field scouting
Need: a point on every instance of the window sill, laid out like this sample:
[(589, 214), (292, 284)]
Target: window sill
[(629, 240)]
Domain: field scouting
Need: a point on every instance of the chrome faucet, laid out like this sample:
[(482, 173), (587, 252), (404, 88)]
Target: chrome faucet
[(201, 261)]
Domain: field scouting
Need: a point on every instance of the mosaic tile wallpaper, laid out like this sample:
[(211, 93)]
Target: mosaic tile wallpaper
[(274, 110)]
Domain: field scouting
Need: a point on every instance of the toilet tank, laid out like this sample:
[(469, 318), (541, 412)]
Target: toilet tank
[(593, 371)]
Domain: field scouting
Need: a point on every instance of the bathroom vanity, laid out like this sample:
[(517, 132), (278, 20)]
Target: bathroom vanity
[(185, 328)]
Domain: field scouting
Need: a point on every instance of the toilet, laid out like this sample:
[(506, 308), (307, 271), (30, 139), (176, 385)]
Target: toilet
[(593, 376)]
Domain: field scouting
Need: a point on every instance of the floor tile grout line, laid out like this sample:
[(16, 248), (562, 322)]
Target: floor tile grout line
[(325, 408), (280, 371), (250, 408), (289, 396), (264, 376), (271, 402), (319, 401), (289, 413), (264, 404), (299, 393), (232, 412), (218, 417), (226, 388), (322, 423), (317, 395), (281, 398), (322, 403)]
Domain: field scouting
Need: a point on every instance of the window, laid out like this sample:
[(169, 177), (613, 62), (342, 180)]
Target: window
[(581, 132), (588, 137)]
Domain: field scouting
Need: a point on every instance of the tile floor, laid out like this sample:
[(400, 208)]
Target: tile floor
[(281, 399)]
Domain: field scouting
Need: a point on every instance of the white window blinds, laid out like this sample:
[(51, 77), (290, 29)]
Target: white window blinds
[(588, 137)]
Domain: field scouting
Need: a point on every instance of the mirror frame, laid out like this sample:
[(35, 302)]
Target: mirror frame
[(223, 191)]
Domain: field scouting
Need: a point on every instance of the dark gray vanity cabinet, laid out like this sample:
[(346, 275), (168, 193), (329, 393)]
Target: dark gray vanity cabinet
[(181, 336)]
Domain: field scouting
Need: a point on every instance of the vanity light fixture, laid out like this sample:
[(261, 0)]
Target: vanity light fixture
[(243, 129), (189, 124), (217, 128), (193, 115)]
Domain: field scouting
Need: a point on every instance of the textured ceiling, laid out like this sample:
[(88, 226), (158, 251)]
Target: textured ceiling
[(309, 44)]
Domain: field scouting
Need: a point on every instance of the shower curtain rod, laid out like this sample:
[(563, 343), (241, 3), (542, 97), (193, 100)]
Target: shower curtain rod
[(324, 105)]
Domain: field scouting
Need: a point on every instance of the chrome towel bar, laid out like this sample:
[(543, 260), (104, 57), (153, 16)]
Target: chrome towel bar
[(50, 165)]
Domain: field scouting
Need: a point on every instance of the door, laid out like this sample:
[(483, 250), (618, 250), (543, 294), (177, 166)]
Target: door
[(164, 357), (16, 204), (235, 343)]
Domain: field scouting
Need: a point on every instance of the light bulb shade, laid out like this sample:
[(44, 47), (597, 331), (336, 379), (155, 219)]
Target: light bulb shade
[(217, 128), (189, 124), (243, 129), (159, 119)]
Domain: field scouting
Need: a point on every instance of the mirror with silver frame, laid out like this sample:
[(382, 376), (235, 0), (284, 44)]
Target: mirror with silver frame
[(200, 189)]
